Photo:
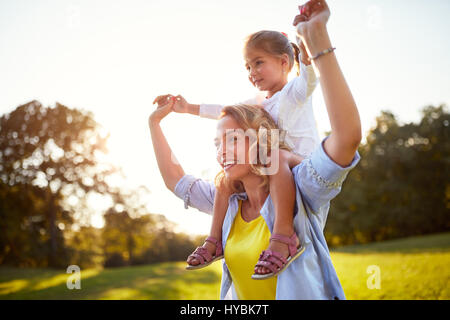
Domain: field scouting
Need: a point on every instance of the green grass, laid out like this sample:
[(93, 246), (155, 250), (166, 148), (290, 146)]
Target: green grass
[(158, 281), (412, 268)]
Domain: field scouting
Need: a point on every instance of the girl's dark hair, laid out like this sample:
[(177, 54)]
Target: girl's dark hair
[(274, 43)]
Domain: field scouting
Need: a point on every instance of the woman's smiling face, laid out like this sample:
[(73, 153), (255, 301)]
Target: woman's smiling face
[(232, 148)]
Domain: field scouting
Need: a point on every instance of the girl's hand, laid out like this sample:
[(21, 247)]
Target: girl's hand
[(181, 105), (225, 187), (165, 106), (311, 24), (313, 14), (290, 158)]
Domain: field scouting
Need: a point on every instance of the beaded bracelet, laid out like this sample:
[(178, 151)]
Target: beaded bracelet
[(322, 53)]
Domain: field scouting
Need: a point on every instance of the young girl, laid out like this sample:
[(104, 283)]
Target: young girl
[(269, 57)]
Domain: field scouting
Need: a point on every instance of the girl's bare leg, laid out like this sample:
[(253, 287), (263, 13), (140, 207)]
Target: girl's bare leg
[(219, 212), (282, 192)]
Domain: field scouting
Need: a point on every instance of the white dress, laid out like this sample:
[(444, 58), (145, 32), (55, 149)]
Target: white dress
[(291, 108)]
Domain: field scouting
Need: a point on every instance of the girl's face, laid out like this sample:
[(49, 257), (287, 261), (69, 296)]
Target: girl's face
[(266, 72), (232, 149)]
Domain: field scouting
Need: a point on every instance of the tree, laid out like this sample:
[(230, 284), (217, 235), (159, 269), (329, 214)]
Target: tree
[(23, 211), (401, 186), (56, 150), (139, 240)]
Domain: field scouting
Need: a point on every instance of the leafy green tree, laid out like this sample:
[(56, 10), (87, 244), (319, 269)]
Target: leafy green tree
[(24, 224), (127, 240), (401, 186), (55, 149), (85, 246)]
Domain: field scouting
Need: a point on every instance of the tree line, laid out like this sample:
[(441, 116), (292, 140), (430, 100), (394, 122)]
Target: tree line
[(401, 187), (50, 155)]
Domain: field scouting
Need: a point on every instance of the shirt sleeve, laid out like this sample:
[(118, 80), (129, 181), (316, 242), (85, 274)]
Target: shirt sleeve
[(304, 84), (320, 179), (303, 145), (196, 193), (210, 111)]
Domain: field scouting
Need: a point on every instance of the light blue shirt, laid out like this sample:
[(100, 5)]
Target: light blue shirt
[(318, 179)]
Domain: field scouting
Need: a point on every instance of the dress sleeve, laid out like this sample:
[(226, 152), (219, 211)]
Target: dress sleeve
[(196, 193), (296, 115), (320, 179)]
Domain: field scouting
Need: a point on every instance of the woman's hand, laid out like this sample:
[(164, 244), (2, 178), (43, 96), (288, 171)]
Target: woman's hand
[(345, 135), (165, 106), (181, 105)]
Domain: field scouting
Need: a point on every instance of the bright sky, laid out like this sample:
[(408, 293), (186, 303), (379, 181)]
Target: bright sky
[(115, 57)]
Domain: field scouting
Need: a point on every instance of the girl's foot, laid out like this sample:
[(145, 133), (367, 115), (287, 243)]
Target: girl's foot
[(286, 247), (205, 255)]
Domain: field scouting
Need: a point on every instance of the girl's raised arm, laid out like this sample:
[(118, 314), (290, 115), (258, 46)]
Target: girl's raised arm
[(170, 169), (345, 134)]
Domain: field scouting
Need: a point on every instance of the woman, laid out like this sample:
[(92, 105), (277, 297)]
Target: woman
[(318, 180)]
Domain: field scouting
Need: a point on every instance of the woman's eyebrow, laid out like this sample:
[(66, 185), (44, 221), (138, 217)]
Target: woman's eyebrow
[(254, 59)]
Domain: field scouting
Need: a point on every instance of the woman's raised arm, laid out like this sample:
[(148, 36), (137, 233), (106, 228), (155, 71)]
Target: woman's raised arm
[(170, 169), (345, 122)]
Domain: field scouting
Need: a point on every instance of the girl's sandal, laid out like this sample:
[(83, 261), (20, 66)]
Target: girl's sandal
[(274, 261), (205, 258)]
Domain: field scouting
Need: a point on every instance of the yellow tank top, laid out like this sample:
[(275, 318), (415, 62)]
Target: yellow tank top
[(245, 243)]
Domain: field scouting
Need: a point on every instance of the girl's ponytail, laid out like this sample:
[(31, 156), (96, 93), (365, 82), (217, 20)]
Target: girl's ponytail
[(296, 56)]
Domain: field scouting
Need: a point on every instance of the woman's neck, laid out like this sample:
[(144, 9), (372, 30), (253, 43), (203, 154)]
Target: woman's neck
[(256, 194)]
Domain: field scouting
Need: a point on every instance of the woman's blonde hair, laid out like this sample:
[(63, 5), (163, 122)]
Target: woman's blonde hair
[(255, 118), (276, 44)]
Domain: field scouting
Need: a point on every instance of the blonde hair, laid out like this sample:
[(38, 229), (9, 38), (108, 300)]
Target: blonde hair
[(256, 118), (276, 44)]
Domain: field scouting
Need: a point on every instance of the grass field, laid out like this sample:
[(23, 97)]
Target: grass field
[(412, 268)]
